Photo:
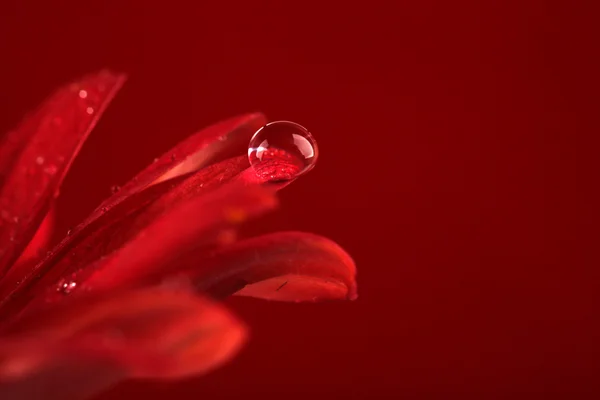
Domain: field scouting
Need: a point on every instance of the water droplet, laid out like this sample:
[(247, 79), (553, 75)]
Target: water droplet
[(69, 232), (83, 93), (66, 286), (89, 110), (115, 188), (155, 160), (39, 160), (103, 209), (282, 150)]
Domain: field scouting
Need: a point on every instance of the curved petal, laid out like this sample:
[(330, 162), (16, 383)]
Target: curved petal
[(197, 225), (35, 251), (150, 333), (36, 156), (188, 157), (130, 218), (40, 242), (169, 227), (284, 266), (193, 154)]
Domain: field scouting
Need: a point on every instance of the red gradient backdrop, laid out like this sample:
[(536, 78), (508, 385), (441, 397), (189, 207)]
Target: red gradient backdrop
[(447, 135)]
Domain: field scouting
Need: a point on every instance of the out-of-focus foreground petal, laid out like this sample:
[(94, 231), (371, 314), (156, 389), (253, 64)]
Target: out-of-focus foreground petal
[(36, 156), (151, 333)]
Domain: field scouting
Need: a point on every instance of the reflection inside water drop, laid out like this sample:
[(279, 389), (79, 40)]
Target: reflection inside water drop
[(66, 286), (282, 150)]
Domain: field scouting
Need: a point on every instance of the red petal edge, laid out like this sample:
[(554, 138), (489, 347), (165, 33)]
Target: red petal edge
[(283, 266), (36, 156)]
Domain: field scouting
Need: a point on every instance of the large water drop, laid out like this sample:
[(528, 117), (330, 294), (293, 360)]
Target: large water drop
[(282, 150)]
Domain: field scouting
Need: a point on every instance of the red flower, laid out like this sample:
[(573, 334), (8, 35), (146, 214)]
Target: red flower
[(129, 293)]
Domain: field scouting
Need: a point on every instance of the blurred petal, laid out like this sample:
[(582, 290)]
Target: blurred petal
[(36, 156), (285, 266), (57, 375), (150, 333)]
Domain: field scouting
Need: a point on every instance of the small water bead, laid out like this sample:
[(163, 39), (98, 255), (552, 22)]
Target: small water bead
[(282, 150), (66, 286)]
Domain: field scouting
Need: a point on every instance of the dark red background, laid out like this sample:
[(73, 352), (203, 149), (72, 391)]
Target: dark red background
[(448, 140)]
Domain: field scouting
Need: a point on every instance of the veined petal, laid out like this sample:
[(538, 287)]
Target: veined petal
[(218, 141), (36, 156), (285, 266), (189, 157), (118, 225), (133, 248)]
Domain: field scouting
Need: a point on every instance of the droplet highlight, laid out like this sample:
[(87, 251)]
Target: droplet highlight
[(282, 150), (66, 286)]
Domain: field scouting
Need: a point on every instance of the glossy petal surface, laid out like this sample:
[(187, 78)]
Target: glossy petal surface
[(189, 156), (285, 266), (121, 224), (198, 225), (36, 156)]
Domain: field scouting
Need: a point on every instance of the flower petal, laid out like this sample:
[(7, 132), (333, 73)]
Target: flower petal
[(120, 224), (169, 227), (40, 242), (35, 251), (56, 374), (193, 154), (197, 225), (284, 266), (150, 333), (36, 156)]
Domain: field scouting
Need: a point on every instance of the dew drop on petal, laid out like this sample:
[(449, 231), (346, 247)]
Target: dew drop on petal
[(282, 150), (39, 160), (83, 94), (115, 188), (89, 110), (66, 286)]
